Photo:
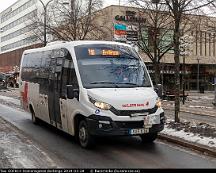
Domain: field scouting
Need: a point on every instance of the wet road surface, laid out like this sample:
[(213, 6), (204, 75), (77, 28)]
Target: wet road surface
[(124, 152)]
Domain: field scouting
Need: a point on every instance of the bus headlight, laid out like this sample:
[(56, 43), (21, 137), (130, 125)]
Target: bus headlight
[(158, 103), (100, 105)]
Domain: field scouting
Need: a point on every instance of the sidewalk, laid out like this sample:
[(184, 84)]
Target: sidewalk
[(196, 103), (17, 151), (199, 136)]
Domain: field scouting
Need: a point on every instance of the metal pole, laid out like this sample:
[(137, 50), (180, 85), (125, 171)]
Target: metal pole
[(45, 11), (162, 73), (183, 80), (45, 19), (198, 75)]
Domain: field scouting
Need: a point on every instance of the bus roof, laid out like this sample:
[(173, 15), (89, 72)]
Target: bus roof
[(64, 44)]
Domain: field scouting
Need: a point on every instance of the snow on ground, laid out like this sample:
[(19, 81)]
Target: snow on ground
[(13, 151), (191, 137), (206, 107), (201, 97), (17, 151), (10, 99)]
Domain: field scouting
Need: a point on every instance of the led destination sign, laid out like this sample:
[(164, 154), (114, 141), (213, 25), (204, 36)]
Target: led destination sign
[(103, 52)]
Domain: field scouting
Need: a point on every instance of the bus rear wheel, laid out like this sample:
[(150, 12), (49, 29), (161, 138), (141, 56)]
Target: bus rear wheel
[(35, 120), (149, 137), (85, 139)]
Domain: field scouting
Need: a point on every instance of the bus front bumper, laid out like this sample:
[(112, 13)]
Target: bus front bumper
[(104, 126)]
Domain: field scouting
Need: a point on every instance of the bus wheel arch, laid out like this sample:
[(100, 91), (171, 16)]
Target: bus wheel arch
[(77, 120), (82, 134), (35, 120)]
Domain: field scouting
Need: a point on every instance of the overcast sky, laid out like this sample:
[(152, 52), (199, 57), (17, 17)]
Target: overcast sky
[(7, 3)]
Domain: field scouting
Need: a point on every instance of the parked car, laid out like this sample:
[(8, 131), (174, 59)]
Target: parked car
[(3, 83), (12, 79)]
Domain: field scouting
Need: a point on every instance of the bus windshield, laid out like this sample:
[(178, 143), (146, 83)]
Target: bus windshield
[(110, 66)]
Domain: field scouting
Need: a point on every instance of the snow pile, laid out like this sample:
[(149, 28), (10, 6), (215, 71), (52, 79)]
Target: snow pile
[(191, 137), (200, 133), (17, 151)]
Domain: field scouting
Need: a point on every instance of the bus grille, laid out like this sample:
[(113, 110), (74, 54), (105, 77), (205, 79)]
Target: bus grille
[(130, 124), (129, 112)]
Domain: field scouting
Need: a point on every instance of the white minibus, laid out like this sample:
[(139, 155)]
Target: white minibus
[(89, 89)]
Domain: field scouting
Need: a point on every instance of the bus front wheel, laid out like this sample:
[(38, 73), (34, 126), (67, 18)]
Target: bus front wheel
[(85, 139), (149, 137)]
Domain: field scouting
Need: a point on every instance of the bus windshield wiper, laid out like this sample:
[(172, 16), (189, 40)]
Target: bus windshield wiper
[(128, 83), (105, 82), (115, 83)]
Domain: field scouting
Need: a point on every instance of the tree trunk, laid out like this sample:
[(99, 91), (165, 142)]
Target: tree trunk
[(157, 72), (177, 68)]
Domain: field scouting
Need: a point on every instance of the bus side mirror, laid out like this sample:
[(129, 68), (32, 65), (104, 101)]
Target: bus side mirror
[(159, 90), (70, 92)]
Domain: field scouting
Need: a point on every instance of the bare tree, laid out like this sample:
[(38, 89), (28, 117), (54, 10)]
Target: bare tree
[(74, 20), (181, 15), (178, 9), (155, 34)]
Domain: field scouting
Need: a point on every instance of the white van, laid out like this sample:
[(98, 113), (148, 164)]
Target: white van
[(91, 88)]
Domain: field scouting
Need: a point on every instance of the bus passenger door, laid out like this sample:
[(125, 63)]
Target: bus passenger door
[(68, 106), (54, 90)]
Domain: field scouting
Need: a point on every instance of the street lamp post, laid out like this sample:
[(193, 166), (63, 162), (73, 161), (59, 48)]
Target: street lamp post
[(183, 75), (198, 71), (45, 18), (185, 50)]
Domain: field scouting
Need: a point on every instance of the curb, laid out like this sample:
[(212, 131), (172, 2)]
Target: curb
[(184, 143)]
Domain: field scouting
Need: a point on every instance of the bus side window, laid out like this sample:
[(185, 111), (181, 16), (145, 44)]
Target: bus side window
[(44, 71), (72, 78), (68, 74)]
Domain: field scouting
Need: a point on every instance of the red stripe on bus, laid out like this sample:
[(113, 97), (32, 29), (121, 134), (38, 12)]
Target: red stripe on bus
[(25, 94)]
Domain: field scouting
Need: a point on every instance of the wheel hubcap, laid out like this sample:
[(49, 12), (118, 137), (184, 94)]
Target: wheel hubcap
[(82, 134)]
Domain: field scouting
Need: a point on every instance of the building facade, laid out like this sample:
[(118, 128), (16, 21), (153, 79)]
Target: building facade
[(15, 32), (199, 67), (14, 27)]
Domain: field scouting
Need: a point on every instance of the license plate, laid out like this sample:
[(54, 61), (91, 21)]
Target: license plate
[(147, 122), (138, 131)]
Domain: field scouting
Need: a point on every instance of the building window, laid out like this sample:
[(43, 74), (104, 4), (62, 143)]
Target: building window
[(210, 43), (16, 33), (20, 43), (197, 42), (20, 20), (205, 43), (10, 14), (201, 45), (213, 44)]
